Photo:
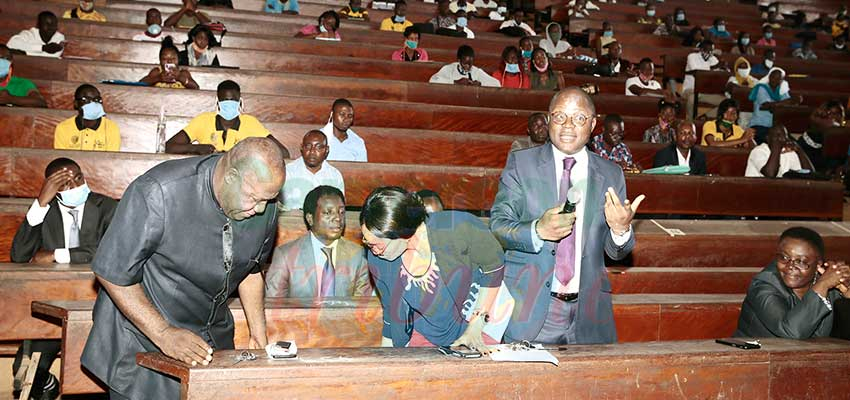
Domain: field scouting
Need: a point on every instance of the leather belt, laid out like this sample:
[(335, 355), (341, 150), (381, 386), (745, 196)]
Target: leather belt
[(568, 297)]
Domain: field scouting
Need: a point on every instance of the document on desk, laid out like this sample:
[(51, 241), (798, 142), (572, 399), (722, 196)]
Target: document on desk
[(508, 352)]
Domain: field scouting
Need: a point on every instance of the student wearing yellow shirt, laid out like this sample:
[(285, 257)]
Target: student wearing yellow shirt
[(724, 131), (218, 131), (85, 11), (354, 11), (89, 130), (397, 22)]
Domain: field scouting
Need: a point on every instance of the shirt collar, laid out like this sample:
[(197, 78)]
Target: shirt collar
[(318, 245), (219, 127), (303, 166), (559, 156), (79, 122)]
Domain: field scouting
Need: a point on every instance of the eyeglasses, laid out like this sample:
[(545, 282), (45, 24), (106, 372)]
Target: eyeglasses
[(578, 120), (86, 99), (797, 263)]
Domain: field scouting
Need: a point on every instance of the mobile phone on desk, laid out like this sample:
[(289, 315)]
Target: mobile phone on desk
[(741, 344), (460, 352)]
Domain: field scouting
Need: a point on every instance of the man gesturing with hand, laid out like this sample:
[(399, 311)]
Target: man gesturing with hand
[(554, 258)]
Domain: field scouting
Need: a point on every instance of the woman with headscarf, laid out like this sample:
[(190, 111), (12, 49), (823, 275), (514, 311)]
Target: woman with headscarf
[(742, 77), (509, 74), (769, 92), (542, 76), (553, 44), (200, 48)]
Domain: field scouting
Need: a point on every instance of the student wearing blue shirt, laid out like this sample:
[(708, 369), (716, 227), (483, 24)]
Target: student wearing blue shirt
[(718, 30), (771, 91), (282, 7)]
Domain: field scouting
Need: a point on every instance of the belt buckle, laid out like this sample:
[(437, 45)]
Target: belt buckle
[(567, 297)]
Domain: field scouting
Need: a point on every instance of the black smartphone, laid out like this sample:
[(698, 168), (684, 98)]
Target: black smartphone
[(458, 352), (741, 344), (283, 345)]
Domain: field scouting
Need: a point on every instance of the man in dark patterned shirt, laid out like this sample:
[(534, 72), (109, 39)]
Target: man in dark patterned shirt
[(610, 144)]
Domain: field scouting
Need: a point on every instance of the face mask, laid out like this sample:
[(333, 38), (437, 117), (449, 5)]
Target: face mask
[(93, 111), (322, 29), (87, 6), (75, 197), (839, 46), (608, 33), (228, 109), (771, 9), (721, 28), (355, 9), (768, 63), (411, 44), (5, 66), (502, 10), (399, 19), (461, 22), (743, 73), (527, 53), (680, 17), (650, 13), (768, 35), (512, 68), (556, 37), (726, 124), (745, 41), (154, 29), (544, 67), (395, 248)]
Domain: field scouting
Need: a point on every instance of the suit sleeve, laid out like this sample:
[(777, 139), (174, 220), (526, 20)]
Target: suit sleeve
[(85, 253), (614, 251), (487, 254), (505, 223), (798, 322), (277, 277), (362, 281), (26, 243)]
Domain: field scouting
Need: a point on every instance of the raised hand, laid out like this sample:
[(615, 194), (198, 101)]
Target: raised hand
[(619, 215), (54, 183)]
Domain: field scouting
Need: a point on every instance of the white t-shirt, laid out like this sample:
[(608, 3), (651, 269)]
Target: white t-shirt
[(485, 4), (29, 41), (352, 149), (300, 181), (635, 81), (495, 16), (758, 158), (450, 73), (697, 63), (470, 8), (469, 34)]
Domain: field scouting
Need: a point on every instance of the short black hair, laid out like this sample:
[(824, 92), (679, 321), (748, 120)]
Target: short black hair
[(79, 92), (524, 38), (464, 51), (411, 30), (613, 118), (228, 85), (213, 42), (430, 194), (724, 106), (644, 61), (536, 115), (390, 212), (45, 14), (341, 102), (717, 20), (662, 104), (330, 13), (705, 43), (507, 51), (58, 164), (311, 201), (807, 235), (167, 44)]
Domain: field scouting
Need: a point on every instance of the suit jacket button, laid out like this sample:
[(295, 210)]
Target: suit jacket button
[(548, 283), (553, 252)]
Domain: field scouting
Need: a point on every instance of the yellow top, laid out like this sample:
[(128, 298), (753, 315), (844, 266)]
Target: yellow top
[(205, 130), (389, 25), (710, 129), (84, 16), (70, 136)]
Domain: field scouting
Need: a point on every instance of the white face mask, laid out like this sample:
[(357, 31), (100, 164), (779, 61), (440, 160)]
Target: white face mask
[(743, 73), (768, 63)]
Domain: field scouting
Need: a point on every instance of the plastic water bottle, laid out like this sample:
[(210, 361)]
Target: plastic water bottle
[(160, 131)]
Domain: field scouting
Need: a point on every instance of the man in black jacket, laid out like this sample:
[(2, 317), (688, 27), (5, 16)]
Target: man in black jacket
[(682, 151), (63, 225)]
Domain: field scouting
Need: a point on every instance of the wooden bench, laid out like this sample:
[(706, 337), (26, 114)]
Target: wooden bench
[(638, 317)]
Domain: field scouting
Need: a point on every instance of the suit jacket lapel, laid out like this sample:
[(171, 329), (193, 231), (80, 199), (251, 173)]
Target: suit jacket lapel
[(594, 197), (343, 275), (53, 227), (546, 172), (307, 262)]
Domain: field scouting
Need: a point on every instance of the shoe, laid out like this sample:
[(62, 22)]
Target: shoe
[(49, 394)]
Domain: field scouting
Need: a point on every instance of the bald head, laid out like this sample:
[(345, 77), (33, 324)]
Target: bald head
[(572, 116), (260, 156), (248, 177)]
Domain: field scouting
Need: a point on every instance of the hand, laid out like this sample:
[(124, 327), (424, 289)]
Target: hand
[(833, 273), (619, 215), (183, 76), (475, 83), (43, 257), (554, 226), (776, 146), (750, 134), (472, 336), (54, 183), (168, 75), (52, 48), (183, 345), (258, 341), (463, 81), (204, 149)]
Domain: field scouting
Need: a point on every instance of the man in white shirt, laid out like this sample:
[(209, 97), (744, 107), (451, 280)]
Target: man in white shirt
[(64, 225), (344, 144), (485, 4), (153, 32), (778, 155), (499, 13), (309, 171), (464, 5), (463, 72), (643, 84), (516, 21), (461, 24), (42, 41), (702, 60)]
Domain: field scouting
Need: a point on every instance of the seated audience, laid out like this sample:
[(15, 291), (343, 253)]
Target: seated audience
[(321, 263), (580, 8), (517, 22), (604, 39), (168, 74), (682, 152), (432, 201), (461, 23), (354, 11), (609, 144), (649, 17), (805, 52), (538, 133), (702, 60), (444, 17), (398, 21), (767, 37), (772, 20), (526, 50), (187, 17), (778, 155), (90, 129), (643, 84), (742, 76), (489, 4), (724, 131), (664, 131), (500, 13), (410, 51), (63, 225), (327, 28), (554, 46), (200, 48), (309, 171), (681, 17), (464, 5), (793, 297), (771, 91), (85, 12), (289, 7), (463, 72), (612, 64), (153, 30), (42, 41), (345, 145), (509, 74), (743, 45), (827, 116), (218, 131), (542, 75), (760, 70), (694, 38), (406, 246), (14, 90), (668, 28), (718, 31)]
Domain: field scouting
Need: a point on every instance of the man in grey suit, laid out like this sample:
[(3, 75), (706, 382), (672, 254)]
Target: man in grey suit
[(321, 263), (554, 260)]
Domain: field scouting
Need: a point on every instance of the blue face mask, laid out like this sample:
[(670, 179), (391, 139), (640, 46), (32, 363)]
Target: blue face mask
[(721, 28), (461, 22), (228, 109), (411, 44), (399, 19), (650, 13), (75, 197), (745, 41), (527, 53), (512, 68), (608, 33), (680, 17), (768, 35), (93, 111), (154, 29), (5, 65)]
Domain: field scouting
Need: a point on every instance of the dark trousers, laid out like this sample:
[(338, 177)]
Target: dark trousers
[(113, 395), (559, 327), (49, 350)]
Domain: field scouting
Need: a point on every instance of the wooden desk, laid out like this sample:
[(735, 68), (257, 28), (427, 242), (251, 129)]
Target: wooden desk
[(692, 369)]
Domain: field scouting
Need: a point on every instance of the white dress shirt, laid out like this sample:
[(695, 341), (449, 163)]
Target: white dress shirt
[(352, 149), (788, 161), (466, 30), (684, 161), (449, 73), (300, 181), (36, 214), (29, 41)]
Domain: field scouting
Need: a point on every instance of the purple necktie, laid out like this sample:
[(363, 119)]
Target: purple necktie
[(565, 256), (328, 274)]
